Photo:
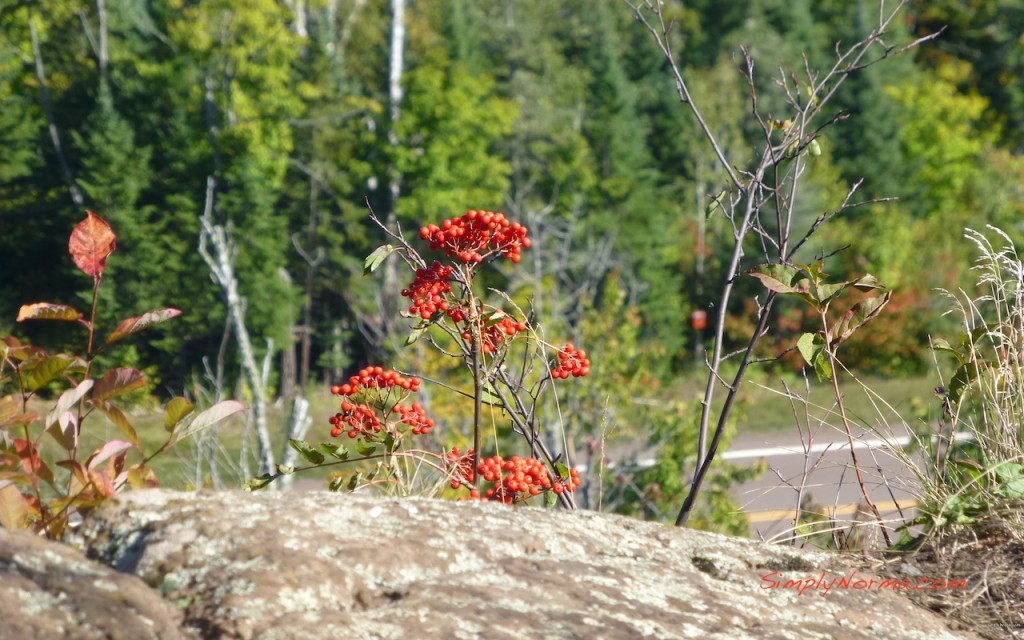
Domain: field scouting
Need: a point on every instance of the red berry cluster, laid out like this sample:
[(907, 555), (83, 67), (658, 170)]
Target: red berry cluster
[(375, 378), (357, 419), (428, 289), (415, 417), (513, 480), (571, 361), (494, 335), (476, 235), (461, 465), (362, 420)]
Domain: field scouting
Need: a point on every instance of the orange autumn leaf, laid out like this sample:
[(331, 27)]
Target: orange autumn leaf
[(91, 242)]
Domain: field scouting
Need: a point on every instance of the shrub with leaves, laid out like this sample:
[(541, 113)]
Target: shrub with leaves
[(48, 479)]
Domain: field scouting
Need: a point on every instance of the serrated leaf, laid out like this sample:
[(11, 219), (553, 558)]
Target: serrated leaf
[(120, 420), (335, 450), (257, 483), (48, 311), (376, 258), (305, 450), (177, 409), (118, 382), (46, 371), (134, 325), (92, 241), (208, 418)]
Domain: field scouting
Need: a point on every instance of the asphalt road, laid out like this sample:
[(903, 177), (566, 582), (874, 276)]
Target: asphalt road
[(822, 471)]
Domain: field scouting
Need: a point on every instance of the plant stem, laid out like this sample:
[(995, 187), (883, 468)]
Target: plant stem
[(849, 432)]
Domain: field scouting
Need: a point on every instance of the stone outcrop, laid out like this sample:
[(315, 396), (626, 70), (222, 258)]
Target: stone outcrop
[(50, 591), (318, 565)]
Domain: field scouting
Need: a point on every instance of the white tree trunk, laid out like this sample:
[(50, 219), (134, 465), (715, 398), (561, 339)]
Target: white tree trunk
[(222, 271)]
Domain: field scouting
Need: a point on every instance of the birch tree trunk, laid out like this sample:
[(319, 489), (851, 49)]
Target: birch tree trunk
[(222, 270)]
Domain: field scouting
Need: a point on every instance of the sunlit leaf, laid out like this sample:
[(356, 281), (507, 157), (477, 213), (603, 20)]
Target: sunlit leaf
[(109, 449), (207, 418), (64, 403), (10, 407), (47, 371), (120, 421), (335, 450), (365, 448), (141, 476), (92, 241), (812, 348), (377, 258), (255, 484), (14, 508), (861, 314), (48, 311), (139, 323), (118, 382), (304, 449), (177, 409)]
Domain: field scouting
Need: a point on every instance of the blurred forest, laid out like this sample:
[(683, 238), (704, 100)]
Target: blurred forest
[(561, 113)]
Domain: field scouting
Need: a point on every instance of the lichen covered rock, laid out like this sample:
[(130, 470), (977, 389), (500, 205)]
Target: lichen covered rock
[(48, 591), (321, 565)]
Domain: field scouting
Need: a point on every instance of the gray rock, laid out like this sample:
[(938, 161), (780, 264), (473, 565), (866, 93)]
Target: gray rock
[(319, 565), (48, 591)]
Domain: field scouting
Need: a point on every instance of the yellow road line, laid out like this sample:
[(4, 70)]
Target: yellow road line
[(842, 510)]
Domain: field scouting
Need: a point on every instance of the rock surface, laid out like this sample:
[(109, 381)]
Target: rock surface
[(320, 565), (50, 591)]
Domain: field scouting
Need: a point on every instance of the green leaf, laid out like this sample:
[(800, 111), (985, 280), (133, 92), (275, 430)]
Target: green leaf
[(134, 325), (335, 450), (365, 448), (284, 469), (121, 421), (44, 372), (304, 449), (376, 258), (812, 348), (940, 344), (48, 311), (415, 335), (965, 374), (862, 313), (208, 418), (786, 279), (563, 471), (177, 409), (118, 382), (487, 396), (66, 400), (255, 484), (868, 283)]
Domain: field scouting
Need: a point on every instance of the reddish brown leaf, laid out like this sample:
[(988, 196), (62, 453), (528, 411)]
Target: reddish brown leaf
[(117, 382), (91, 242), (138, 323)]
